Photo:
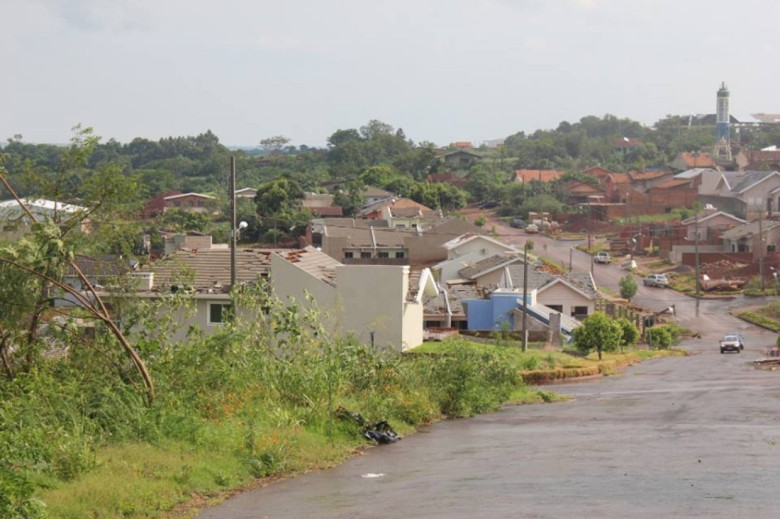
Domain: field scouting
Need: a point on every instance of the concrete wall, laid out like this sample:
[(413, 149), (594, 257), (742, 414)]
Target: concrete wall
[(676, 255), (290, 283), (365, 299), (375, 301), (182, 318)]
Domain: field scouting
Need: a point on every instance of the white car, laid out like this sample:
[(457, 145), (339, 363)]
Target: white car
[(656, 280), (602, 257)]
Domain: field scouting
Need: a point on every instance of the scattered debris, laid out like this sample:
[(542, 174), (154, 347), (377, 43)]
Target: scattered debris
[(380, 432), (768, 364)]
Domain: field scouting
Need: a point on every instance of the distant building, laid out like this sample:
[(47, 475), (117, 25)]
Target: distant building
[(192, 202), (542, 175)]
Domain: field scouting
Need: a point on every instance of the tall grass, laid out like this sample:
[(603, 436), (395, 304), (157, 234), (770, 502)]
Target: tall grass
[(256, 399)]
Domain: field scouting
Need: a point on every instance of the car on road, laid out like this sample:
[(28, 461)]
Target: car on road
[(517, 223), (731, 342), (656, 280), (532, 228), (602, 257)]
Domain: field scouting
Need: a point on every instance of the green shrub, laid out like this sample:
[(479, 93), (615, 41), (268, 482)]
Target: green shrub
[(660, 337), (630, 333), (598, 332)]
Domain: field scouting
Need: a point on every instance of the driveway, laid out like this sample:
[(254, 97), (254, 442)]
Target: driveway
[(677, 437)]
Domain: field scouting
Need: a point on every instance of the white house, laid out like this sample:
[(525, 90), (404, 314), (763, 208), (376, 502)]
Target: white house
[(380, 304)]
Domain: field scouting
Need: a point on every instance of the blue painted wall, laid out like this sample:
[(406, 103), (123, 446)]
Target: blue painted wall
[(490, 314)]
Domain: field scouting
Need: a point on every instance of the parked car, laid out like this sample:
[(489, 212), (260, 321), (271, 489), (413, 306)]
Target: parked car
[(656, 280), (731, 342), (488, 204), (603, 257), (532, 228), (517, 223)]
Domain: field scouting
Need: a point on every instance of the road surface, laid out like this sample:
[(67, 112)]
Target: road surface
[(677, 437)]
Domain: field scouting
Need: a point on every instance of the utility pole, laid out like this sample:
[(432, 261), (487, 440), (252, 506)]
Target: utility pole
[(233, 237), (761, 248), (696, 252), (525, 296), (589, 225)]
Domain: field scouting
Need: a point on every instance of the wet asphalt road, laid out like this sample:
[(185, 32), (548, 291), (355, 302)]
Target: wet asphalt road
[(678, 437)]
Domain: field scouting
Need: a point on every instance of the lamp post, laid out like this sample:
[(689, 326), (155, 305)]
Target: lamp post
[(234, 231)]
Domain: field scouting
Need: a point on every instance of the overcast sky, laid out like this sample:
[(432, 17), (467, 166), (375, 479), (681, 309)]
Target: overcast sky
[(443, 70)]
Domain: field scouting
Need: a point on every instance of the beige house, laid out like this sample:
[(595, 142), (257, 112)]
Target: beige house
[(369, 242), (381, 305), (573, 294), (709, 224), (467, 250), (749, 237), (204, 276)]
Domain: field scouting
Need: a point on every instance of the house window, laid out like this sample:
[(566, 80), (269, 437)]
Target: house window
[(384, 254), (557, 308), (219, 313), (190, 203), (365, 255), (580, 312), (348, 255), (200, 203), (401, 254), (177, 203)]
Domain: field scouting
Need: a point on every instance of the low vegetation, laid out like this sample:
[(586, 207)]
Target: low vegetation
[(232, 408), (766, 316)]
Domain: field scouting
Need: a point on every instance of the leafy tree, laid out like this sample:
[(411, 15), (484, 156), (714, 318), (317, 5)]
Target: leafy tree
[(660, 337), (630, 333), (340, 137), (438, 196), (44, 257), (598, 332), (273, 145), (278, 205), (351, 198), (628, 287)]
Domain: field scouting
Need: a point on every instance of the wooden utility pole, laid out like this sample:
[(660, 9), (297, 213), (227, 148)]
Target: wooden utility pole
[(696, 252), (525, 296), (761, 248), (233, 237)]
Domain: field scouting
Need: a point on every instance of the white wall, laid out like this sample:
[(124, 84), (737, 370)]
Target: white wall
[(561, 295), (479, 246)]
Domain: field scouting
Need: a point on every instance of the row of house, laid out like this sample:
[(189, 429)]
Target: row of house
[(385, 305)]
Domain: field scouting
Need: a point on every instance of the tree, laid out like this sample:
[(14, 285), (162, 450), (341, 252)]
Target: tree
[(628, 287), (278, 205), (630, 333), (39, 262), (273, 145), (598, 332), (351, 198)]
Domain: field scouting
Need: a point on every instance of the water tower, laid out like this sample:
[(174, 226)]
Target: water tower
[(723, 144)]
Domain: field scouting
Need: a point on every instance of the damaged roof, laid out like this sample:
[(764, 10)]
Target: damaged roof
[(207, 270)]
